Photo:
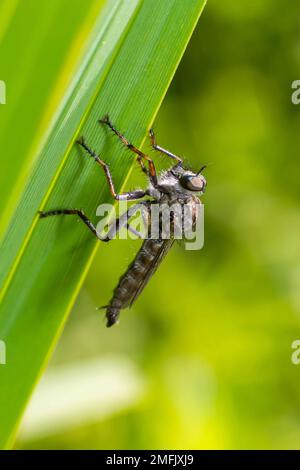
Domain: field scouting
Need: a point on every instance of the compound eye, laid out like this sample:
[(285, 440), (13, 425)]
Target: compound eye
[(193, 183)]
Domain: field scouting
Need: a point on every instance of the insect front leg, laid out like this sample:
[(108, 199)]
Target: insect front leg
[(127, 196), (160, 149), (141, 156)]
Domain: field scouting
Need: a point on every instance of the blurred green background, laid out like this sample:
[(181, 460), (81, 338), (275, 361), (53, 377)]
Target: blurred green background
[(203, 359)]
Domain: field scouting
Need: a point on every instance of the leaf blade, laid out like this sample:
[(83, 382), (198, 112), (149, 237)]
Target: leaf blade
[(42, 289)]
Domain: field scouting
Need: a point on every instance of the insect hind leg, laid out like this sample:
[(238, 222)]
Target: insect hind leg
[(77, 212), (119, 222)]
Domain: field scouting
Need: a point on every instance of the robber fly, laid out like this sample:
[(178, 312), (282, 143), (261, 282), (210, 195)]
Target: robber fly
[(177, 184)]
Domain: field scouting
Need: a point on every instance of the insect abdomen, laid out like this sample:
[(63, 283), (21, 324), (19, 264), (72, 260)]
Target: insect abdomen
[(131, 280)]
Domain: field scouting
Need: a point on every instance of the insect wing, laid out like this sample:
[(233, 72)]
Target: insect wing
[(164, 249)]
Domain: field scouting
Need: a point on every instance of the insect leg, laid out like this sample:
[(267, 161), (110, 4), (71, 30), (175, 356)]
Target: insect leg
[(134, 231), (145, 213), (141, 155), (130, 195), (77, 212), (160, 149), (119, 223), (124, 218)]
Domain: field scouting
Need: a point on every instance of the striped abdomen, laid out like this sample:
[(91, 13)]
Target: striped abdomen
[(136, 277)]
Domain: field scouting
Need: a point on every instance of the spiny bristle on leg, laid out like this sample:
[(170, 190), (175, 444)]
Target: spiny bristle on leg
[(81, 140), (105, 119)]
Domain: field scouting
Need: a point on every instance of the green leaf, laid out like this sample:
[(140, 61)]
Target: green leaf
[(132, 56)]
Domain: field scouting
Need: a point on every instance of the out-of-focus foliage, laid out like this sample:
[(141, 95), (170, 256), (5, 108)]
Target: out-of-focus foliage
[(211, 335), (117, 61)]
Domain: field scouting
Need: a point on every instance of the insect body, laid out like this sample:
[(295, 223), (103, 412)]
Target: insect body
[(176, 185), (137, 275)]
